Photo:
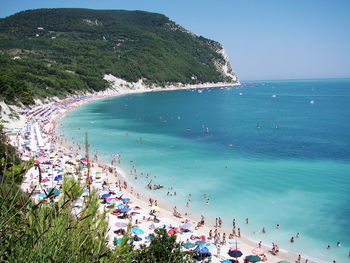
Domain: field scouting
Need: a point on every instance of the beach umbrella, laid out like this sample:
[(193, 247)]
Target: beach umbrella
[(111, 200), (200, 243), (125, 199), (226, 261), (58, 177), (188, 245), (125, 209), (202, 250), (53, 191), (253, 258), (173, 231), (137, 238), (235, 253), (118, 241), (42, 195), (105, 195), (120, 224), (121, 206), (258, 251), (137, 231), (186, 226)]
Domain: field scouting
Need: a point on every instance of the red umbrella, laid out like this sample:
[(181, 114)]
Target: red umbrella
[(173, 231)]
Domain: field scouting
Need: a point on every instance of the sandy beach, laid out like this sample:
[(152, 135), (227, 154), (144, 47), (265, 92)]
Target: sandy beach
[(41, 122)]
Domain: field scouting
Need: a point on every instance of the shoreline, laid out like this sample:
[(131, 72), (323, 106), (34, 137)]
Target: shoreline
[(246, 244)]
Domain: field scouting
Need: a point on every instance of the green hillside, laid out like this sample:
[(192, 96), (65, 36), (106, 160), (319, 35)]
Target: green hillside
[(55, 52)]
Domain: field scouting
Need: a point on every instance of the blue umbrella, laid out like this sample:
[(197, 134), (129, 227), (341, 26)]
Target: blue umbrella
[(137, 238), (202, 250), (137, 231), (188, 245), (53, 191), (117, 241), (106, 195), (226, 261), (58, 177), (42, 195), (200, 243), (126, 209), (121, 206), (125, 199)]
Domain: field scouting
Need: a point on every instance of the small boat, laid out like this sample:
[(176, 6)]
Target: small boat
[(312, 102)]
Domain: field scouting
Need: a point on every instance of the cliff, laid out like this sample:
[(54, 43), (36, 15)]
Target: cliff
[(60, 52)]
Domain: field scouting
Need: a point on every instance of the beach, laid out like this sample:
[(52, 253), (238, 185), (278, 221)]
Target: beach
[(43, 123)]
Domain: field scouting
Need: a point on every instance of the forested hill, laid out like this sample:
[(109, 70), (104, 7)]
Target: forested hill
[(55, 52)]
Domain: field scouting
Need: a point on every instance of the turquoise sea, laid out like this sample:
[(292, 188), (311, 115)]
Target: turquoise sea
[(277, 152)]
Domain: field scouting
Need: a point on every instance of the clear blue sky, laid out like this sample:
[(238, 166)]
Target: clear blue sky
[(265, 39)]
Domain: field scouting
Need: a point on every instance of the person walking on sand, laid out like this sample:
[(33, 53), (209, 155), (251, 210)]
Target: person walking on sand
[(218, 251)]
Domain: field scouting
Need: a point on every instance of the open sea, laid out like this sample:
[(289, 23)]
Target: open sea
[(277, 152)]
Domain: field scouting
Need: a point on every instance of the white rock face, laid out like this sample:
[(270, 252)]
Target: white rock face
[(226, 68)]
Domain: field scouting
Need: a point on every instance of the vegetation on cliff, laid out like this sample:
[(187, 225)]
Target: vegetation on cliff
[(55, 52)]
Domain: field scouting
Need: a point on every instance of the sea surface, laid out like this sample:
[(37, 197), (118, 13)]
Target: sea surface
[(276, 152)]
